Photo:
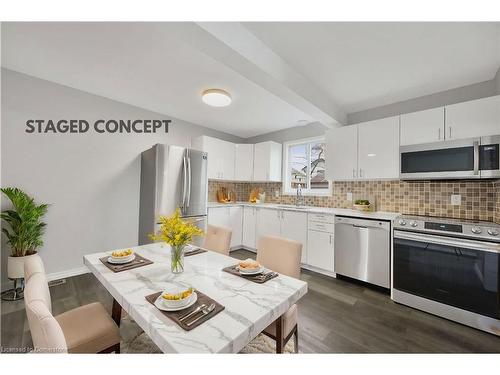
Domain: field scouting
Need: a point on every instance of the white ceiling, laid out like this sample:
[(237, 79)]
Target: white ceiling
[(143, 65), (366, 65), (299, 71)]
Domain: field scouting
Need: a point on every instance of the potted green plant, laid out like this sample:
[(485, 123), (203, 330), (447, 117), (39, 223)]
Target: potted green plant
[(23, 228)]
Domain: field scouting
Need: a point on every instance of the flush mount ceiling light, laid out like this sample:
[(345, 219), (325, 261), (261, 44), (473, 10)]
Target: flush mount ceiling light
[(216, 97)]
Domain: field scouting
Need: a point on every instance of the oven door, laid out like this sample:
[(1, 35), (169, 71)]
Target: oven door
[(457, 272), (440, 160)]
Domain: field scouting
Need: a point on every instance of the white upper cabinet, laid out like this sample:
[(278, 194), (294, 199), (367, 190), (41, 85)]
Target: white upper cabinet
[(378, 149), (475, 118), (422, 127), (221, 157), (267, 161), (243, 164), (342, 153)]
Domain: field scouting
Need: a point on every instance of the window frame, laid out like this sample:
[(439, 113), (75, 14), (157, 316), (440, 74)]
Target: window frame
[(286, 183)]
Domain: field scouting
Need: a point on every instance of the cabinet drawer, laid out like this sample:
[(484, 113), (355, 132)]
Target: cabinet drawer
[(322, 218), (323, 227)]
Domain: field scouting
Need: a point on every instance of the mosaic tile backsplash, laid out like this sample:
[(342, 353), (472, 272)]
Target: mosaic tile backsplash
[(480, 199)]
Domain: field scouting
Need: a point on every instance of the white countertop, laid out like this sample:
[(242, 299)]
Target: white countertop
[(377, 215), (249, 307)]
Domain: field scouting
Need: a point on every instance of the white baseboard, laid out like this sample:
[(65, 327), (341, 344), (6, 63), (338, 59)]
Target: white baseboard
[(68, 273)]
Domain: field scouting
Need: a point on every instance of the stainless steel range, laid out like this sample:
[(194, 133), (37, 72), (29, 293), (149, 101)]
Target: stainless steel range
[(449, 268)]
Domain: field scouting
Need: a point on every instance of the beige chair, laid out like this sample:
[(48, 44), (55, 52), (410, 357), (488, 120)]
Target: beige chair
[(218, 239), (86, 329), (283, 256)]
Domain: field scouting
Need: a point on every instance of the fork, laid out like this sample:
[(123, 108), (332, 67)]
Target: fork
[(205, 311)]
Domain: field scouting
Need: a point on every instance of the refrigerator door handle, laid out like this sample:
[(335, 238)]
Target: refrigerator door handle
[(184, 181), (189, 181)]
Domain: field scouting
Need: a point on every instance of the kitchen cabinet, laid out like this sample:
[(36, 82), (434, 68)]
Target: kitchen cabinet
[(378, 149), (268, 223), (294, 227), (249, 227), (283, 223), (228, 217), (342, 153), (243, 163), (475, 118), (320, 250), (221, 157), (267, 161), (422, 126), (369, 150)]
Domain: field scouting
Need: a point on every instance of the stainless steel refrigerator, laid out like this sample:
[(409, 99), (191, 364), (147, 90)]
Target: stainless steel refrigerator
[(172, 177)]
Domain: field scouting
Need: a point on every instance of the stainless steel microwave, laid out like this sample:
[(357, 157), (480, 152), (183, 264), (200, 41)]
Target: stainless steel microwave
[(455, 159)]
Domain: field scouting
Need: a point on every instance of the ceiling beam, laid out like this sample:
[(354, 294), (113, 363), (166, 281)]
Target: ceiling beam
[(239, 49)]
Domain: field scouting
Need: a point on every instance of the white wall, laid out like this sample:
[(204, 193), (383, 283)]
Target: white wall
[(91, 180)]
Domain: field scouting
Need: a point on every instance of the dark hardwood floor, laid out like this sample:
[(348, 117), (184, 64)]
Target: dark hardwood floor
[(335, 316)]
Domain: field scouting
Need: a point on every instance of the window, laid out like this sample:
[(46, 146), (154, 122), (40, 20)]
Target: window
[(304, 164)]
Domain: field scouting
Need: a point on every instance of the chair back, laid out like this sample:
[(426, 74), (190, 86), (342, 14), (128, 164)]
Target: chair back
[(218, 239), (46, 332), (280, 254), (33, 264)]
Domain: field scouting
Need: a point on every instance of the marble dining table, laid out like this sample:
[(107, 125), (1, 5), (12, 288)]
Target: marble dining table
[(249, 307)]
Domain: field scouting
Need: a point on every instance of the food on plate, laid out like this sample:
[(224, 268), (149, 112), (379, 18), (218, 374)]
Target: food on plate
[(249, 264), (122, 253), (178, 296)]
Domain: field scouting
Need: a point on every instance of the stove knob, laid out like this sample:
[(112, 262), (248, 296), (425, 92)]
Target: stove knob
[(476, 230), (492, 232), (413, 224), (402, 222)]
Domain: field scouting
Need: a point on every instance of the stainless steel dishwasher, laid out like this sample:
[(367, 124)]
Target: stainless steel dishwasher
[(362, 249)]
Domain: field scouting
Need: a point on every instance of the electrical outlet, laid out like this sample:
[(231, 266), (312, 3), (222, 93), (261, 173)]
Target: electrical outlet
[(349, 197), (456, 199), (277, 193)]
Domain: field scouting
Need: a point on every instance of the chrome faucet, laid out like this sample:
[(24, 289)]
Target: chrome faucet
[(299, 199)]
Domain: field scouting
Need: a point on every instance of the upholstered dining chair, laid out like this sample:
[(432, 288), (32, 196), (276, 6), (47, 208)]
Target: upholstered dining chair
[(218, 239), (85, 329), (283, 256)]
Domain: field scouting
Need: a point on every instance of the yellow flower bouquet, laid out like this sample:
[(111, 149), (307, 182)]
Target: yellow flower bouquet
[(177, 233)]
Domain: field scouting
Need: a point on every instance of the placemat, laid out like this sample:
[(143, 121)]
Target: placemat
[(139, 261), (195, 252), (176, 315), (259, 279)]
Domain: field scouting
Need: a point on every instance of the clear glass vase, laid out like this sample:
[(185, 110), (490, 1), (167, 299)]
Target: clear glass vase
[(177, 259)]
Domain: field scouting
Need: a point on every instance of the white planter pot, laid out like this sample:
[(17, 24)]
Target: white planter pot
[(15, 266)]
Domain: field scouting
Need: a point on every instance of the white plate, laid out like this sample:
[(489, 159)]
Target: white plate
[(159, 304), (252, 271), (123, 260)]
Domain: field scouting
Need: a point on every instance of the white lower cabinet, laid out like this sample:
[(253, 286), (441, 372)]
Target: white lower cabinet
[(283, 223), (313, 231), (249, 224), (229, 217), (320, 250), (268, 223), (294, 227)]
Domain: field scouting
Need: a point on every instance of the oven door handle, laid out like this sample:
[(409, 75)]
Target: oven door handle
[(447, 241)]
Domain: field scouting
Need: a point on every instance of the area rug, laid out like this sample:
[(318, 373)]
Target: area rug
[(134, 340)]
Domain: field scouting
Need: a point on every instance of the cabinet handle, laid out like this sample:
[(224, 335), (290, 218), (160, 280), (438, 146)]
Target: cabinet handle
[(360, 172), (354, 172), (450, 131), (330, 239), (439, 133)]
